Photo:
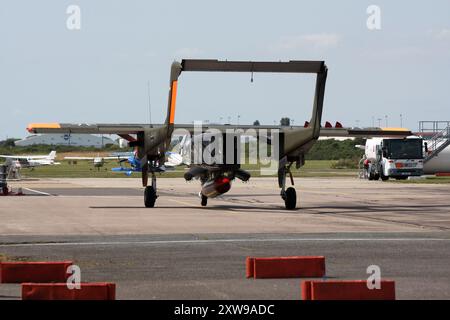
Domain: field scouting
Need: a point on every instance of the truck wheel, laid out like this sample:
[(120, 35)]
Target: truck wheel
[(381, 173)]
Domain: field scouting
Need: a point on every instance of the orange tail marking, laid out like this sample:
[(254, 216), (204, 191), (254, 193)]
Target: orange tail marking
[(33, 126), (173, 101)]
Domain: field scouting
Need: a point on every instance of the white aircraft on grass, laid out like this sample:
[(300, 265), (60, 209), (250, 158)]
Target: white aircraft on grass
[(31, 161), (97, 161)]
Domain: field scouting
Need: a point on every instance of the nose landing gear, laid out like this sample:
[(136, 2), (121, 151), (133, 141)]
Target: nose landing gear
[(150, 194)]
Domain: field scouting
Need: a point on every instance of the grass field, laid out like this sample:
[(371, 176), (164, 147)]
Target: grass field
[(85, 169)]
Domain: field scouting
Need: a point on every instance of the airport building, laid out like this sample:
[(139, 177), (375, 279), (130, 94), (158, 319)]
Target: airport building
[(80, 140)]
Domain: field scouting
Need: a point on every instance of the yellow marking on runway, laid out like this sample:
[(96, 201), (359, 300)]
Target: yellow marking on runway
[(332, 192), (183, 203)]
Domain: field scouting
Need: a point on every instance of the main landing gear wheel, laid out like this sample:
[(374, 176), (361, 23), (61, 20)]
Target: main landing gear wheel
[(289, 195), (204, 200), (290, 199), (149, 197)]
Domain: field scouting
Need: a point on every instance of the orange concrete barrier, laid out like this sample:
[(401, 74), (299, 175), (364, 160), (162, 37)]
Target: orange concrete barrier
[(60, 291), (40, 272), (249, 267), (347, 290), (286, 267)]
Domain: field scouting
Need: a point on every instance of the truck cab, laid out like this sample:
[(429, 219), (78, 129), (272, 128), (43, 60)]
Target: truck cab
[(394, 158)]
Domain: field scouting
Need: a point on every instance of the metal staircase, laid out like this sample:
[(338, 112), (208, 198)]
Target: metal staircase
[(437, 143)]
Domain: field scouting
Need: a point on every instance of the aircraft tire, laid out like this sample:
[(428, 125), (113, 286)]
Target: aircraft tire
[(5, 191), (290, 200), (149, 197), (204, 201)]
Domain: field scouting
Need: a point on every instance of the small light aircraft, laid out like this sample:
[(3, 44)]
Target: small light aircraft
[(173, 159), (31, 161), (98, 161)]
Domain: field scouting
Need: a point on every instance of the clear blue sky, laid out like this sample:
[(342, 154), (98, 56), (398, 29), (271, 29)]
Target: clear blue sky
[(99, 73)]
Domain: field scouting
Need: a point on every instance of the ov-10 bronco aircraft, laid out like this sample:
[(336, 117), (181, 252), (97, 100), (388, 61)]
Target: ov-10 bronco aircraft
[(289, 144)]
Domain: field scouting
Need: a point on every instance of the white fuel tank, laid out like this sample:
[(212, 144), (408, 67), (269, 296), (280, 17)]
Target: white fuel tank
[(439, 163), (371, 148)]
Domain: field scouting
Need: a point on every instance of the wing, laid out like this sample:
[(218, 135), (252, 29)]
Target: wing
[(125, 129), (324, 131), (88, 128), (14, 157), (115, 158), (365, 132), (78, 158)]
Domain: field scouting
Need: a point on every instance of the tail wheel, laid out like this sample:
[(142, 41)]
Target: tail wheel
[(290, 199), (150, 197), (204, 201), (5, 191)]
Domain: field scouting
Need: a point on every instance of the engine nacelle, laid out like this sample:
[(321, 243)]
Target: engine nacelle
[(242, 174), (194, 172), (216, 187)]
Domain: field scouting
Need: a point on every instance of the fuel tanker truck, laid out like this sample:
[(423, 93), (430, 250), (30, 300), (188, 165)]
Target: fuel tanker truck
[(386, 158)]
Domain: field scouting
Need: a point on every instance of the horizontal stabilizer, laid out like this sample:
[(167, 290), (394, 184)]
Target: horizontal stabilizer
[(250, 66)]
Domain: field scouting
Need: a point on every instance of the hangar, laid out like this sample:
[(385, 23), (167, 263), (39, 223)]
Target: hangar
[(81, 140)]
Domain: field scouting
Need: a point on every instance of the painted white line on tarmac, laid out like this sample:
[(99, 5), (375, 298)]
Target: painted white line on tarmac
[(38, 192), (168, 242)]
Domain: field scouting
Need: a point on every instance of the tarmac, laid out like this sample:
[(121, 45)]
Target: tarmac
[(180, 250)]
